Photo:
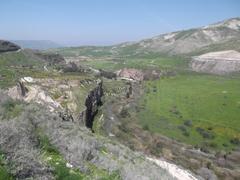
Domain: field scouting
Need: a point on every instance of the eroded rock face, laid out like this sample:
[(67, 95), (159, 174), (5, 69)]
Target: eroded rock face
[(6, 46), (131, 74), (23, 89), (222, 62), (93, 101)]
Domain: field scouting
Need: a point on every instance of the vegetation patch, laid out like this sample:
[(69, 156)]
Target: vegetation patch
[(53, 157), (159, 62), (64, 170), (11, 109), (196, 108), (4, 173)]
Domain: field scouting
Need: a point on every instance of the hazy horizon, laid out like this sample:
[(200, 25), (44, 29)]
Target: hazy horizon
[(76, 23)]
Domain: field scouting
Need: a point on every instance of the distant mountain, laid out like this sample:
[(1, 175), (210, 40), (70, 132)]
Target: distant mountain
[(189, 41), (6, 46), (37, 44), (224, 35)]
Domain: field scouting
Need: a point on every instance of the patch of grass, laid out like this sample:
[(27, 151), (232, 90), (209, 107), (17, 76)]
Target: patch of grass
[(4, 174), (84, 51), (55, 160), (7, 78), (12, 109), (196, 108), (98, 173), (14, 65), (172, 63), (18, 59)]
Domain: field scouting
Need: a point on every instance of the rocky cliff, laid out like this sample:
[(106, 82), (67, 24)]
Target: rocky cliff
[(92, 103), (221, 62)]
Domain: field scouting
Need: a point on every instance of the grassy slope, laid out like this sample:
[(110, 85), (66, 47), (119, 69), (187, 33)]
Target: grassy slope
[(83, 51), (140, 63), (208, 101), (16, 64)]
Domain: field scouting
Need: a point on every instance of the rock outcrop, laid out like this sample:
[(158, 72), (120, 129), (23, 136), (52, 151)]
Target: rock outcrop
[(22, 88), (6, 46), (221, 62), (131, 74), (27, 91), (92, 103)]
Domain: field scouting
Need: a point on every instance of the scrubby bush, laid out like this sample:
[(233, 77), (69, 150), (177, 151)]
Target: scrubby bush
[(124, 113), (213, 145), (204, 133), (207, 135), (156, 149), (210, 128), (204, 149), (188, 123), (235, 141), (186, 133), (10, 109), (182, 128), (146, 127)]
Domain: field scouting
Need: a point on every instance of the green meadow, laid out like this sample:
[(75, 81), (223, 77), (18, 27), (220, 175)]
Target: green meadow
[(203, 110), (140, 63)]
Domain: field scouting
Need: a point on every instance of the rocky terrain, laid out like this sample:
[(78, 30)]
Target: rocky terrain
[(46, 132), (222, 62), (74, 113), (78, 148)]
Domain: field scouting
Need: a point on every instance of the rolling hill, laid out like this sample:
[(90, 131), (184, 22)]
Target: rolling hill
[(224, 35)]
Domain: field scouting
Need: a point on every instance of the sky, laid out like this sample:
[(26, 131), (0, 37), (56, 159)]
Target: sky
[(105, 22)]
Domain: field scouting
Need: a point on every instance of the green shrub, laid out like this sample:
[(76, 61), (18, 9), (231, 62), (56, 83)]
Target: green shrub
[(45, 144), (4, 174), (235, 141), (124, 113), (146, 127), (11, 109), (188, 123)]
